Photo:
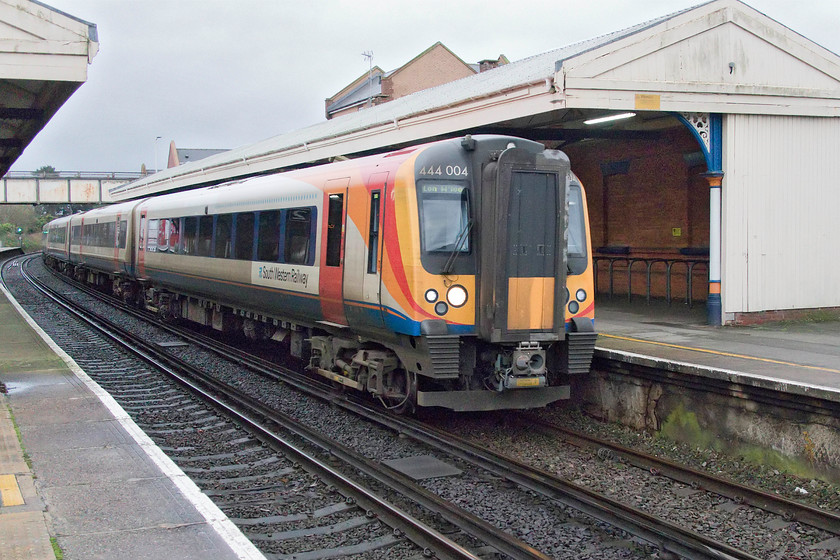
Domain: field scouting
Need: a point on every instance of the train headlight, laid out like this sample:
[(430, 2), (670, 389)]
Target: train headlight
[(580, 295), (441, 308), (574, 307), (456, 296), (431, 295)]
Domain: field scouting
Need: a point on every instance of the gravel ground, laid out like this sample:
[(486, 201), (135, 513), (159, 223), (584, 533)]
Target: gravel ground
[(763, 534)]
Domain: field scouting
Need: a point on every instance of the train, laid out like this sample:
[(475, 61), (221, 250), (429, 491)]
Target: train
[(454, 274)]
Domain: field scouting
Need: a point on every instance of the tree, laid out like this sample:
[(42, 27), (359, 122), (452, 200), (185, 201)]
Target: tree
[(45, 171)]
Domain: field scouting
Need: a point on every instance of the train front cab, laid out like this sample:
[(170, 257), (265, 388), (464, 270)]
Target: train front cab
[(57, 243), (523, 273)]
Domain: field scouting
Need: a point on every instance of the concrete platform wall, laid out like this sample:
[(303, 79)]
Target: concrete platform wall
[(716, 416)]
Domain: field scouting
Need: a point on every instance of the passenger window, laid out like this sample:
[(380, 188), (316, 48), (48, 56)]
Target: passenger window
[(205, 236), (168, 235), (111, 234), (244, 236), (268, 238), (176, 239), (335, 220), (298, 228), (152, 242), (223, 236), (373, 233), (123, 233), (190, 234), (163, 236)]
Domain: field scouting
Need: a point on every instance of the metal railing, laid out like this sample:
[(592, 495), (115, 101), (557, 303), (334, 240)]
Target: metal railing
[(626, 263), (122, 175)]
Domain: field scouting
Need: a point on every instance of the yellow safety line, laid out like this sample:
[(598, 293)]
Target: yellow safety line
[(727, 354), (10, 491)]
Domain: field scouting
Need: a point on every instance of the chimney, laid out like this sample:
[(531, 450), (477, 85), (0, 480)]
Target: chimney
[(489, 63)]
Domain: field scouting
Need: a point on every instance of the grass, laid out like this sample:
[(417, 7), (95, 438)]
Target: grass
[(59, 554), (26, 457)]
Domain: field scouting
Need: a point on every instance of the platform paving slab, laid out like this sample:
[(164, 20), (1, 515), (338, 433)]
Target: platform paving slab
[(24, 536)]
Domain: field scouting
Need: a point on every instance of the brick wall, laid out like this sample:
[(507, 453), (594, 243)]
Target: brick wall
[(436, 67), (640, 203)]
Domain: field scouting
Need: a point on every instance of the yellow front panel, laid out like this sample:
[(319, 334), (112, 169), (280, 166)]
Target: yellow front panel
[(530, 303)]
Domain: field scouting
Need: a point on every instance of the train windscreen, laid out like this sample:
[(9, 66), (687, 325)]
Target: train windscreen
[(576, 231), (444, 217)]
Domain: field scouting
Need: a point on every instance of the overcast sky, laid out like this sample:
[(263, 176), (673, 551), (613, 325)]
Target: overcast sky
[(225, 73)]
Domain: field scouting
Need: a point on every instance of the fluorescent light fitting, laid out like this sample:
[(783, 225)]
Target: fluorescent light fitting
[(609, 118)]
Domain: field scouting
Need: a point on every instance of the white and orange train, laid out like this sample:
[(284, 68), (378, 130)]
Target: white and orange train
[(455, 274)]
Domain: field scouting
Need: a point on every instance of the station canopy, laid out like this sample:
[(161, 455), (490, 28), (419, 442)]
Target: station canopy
[(44, 54), (719, 57)]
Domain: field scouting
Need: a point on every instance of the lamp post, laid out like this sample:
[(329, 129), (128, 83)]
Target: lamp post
[(156, 158)]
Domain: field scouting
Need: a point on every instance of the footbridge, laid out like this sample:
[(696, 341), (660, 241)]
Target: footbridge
[(68, 187)]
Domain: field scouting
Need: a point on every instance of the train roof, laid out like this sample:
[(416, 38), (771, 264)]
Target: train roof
[(59, 221), (107, 211)]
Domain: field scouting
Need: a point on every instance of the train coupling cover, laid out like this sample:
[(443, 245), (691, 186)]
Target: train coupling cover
[(526, 368)]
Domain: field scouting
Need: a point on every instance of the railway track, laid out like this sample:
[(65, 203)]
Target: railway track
[(668, 538)]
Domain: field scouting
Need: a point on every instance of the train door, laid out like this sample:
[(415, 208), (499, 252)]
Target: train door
[(116, 241), (82, 243), (141, 246), (332, 251), (529, 279), (363, 250), (532, 250)]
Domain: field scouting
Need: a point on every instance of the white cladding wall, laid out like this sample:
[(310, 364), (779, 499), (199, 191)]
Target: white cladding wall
[(781, 196)]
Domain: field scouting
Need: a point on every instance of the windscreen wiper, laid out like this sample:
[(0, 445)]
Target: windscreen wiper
[(459, 243)]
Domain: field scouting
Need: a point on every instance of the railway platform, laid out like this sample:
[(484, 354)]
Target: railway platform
[(75, 468), (799, 357)]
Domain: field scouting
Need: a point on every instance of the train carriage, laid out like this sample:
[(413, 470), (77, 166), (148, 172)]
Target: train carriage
[(233, 255), (101, 246), (455, 274)]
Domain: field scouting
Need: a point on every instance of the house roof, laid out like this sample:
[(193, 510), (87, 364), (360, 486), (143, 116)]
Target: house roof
[(369, 85), (521, 87), (369, 88)]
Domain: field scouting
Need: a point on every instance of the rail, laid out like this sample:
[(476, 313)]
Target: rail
[(626, 263)]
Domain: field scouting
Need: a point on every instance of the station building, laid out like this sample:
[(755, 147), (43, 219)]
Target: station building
[(707, 140)]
